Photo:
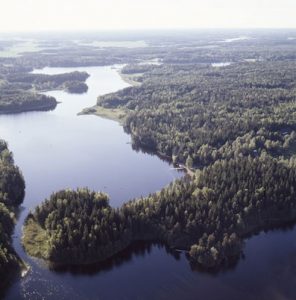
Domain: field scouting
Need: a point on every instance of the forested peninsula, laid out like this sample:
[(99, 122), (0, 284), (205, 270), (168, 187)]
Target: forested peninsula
[(208, 215), (20, 91), (12, 191)]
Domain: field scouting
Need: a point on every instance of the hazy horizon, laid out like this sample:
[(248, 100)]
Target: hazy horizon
[(121, 15)]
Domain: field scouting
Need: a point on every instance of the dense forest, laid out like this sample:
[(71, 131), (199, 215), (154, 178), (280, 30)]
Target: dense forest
[(232, 125), (204, 113), (49, 82), (12, 189), (209, 214), (75, 227), (20, 90), (15, 100)]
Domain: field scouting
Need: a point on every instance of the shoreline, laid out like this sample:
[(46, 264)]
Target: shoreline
[(266, 225), (21, 271), (114, 114), (41, 108), (128, 78)]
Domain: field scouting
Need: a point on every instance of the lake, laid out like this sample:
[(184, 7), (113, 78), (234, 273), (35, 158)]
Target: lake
[(59, 149)]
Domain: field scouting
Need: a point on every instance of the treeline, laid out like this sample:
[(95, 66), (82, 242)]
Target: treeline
[(17, 100), (51, 82), (18, 88), (137, 68), (209, 215), (75, 87), (75, 227), (12, 189), (195, 48)]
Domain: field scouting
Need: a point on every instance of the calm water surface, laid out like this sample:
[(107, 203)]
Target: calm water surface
[(59, 149)]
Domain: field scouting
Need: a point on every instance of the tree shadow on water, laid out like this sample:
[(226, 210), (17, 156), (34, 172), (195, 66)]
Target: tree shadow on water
[(135, 250)]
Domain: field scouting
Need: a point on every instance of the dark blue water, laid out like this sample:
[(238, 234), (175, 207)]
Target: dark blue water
[(59, 149)]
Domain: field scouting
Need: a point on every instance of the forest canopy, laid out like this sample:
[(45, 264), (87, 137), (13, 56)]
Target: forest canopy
[(20, 90), (209, 214), (12, 191)]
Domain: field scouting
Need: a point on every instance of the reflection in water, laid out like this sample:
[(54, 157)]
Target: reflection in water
[(134, 251), (226, 267)]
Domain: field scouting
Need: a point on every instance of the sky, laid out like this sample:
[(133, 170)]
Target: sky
[(39, 15)]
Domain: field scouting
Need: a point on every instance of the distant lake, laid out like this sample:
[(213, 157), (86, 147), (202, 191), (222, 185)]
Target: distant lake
[(236, 39), (59, 149), (221, 64)]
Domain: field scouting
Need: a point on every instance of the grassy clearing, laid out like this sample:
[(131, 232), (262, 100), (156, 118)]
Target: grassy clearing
[(115, 114), (35, 239), (131, 78)]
